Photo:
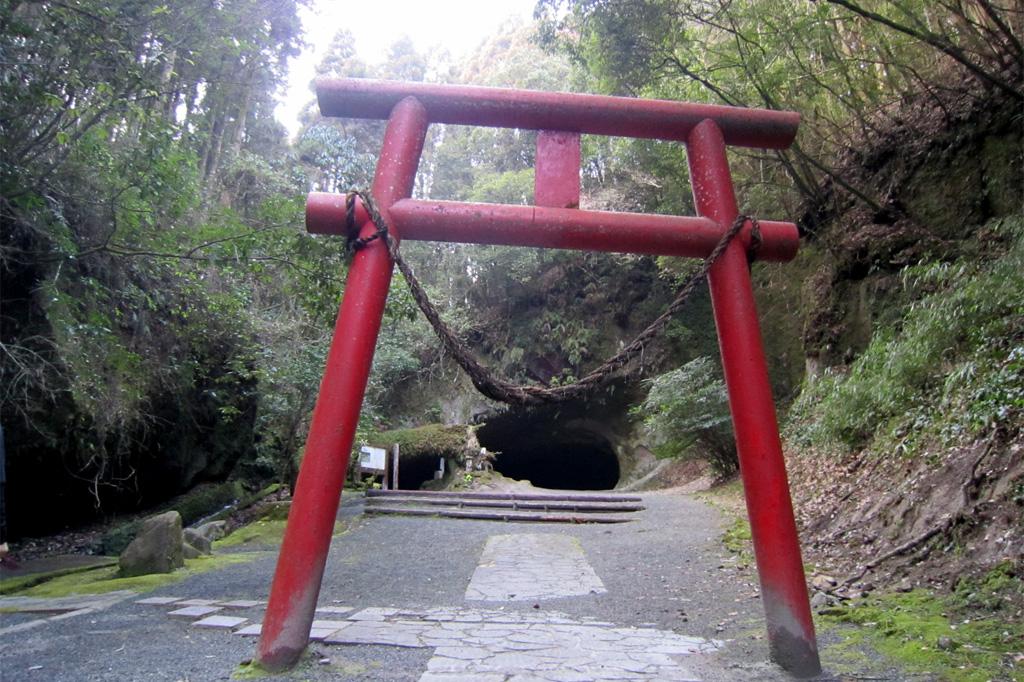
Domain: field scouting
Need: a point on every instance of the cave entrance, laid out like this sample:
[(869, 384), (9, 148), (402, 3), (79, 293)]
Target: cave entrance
[(413, 472), (550, 452)]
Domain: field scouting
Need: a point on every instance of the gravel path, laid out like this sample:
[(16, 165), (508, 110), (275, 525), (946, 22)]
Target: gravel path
[(665, 571)]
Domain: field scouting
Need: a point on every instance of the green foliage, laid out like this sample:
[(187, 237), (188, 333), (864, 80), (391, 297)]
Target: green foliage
[(509, 187), (158, 280), (206, 499), (202, 501), (952, 367), (686, 413), (337, 157), (843, 64), (573, 338), (147, 205), (115, 540)]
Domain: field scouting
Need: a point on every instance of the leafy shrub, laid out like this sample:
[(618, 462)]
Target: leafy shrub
[(686, 414), (952, 367)]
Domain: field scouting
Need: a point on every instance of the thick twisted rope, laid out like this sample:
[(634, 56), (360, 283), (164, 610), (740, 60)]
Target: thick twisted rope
[(501, 389)]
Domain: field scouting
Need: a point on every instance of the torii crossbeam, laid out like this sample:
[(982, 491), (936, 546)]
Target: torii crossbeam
[(555, 222)]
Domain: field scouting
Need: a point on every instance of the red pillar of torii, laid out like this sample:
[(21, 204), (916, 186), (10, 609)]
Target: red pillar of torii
[(555, 222)]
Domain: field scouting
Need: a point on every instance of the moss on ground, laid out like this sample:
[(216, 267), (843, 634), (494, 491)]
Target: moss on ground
[(737, 539), (930, 634), (919, 632), (250, 670), (24, 582), (105, 579), (262, 532), (335, 663), (267, 531)]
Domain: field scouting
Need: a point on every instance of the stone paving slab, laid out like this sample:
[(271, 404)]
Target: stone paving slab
[(335, 624), (320, 634), (528, 566), (194, 611), (59, 604), (332, 609), (227, 622), (374, 614), (41, 611)]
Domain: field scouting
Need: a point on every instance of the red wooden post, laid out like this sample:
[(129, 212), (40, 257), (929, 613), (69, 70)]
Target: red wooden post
[(556, 177), (776, 546), (300, 564)]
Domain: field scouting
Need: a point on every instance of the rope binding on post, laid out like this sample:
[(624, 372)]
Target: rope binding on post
[(501, 389)]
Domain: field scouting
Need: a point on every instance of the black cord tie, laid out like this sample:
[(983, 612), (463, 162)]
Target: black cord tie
[(353, 242), (755, 239)]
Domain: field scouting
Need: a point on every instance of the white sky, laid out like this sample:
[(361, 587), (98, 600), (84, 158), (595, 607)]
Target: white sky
[(455, 25)]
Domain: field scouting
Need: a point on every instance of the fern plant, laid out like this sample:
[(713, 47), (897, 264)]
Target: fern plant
[(686, 414)]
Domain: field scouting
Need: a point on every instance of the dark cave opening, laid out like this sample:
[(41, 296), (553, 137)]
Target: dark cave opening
[(552, 452), (413, 472)]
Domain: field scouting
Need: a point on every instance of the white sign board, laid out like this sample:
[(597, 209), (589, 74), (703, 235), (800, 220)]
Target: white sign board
[(372, 458)]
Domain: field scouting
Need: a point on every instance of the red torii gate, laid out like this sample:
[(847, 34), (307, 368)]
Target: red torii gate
[(554, 222)]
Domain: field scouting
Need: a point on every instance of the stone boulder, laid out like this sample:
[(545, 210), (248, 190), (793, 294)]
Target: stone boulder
[(156, 549), (199, 542), (190, 552), (214, 530)]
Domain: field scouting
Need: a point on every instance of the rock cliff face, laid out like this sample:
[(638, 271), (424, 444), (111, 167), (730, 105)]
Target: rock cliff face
[(905, 449), (941, 173), (64, 469)]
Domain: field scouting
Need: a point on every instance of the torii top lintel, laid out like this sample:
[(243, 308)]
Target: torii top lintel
[(571, 112), (555, 222)]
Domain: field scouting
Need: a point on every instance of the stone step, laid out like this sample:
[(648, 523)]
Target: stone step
[(514, 504), (504, 515), (555, 497)]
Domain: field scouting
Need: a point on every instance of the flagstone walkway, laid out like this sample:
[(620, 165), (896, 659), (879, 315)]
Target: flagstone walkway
[(473, 644)]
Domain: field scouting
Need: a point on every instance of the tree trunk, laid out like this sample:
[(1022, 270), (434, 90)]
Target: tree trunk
[(243, 111)]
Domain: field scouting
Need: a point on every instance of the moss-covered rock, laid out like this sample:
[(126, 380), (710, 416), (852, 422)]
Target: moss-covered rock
[(277, 511), (158, 548), (207, 499), (199, 503), (430, 440)]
